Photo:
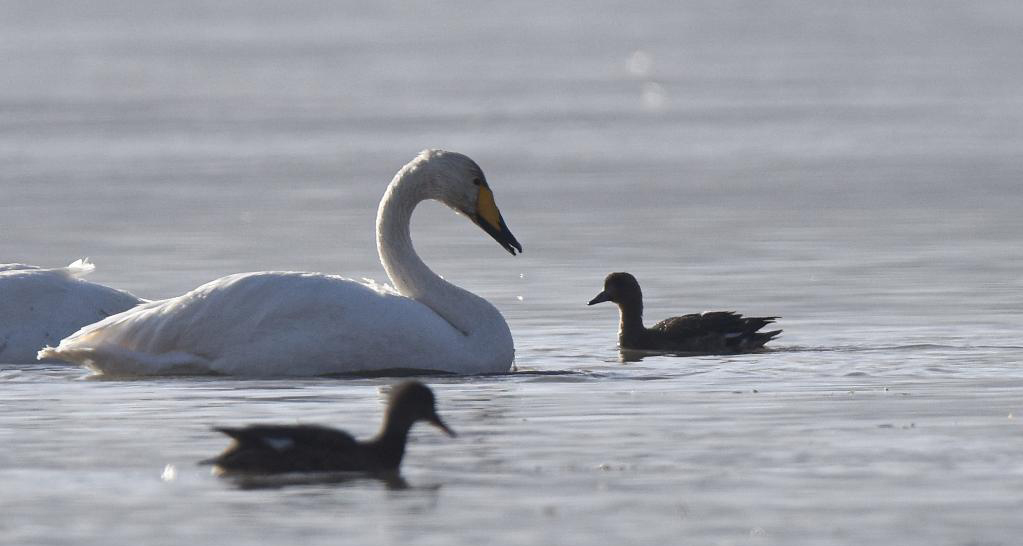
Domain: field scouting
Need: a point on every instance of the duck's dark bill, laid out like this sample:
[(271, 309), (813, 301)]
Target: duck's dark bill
[(600, 298), (435, 421)]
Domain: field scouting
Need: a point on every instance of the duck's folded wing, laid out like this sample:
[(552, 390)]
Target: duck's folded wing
[(279, 448), (723, 323)]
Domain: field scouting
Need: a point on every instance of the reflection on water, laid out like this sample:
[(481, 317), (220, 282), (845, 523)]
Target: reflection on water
[(637, 355), (853, 168), (392, 482)]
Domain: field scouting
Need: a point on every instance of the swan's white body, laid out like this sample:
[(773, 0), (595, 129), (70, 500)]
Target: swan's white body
[(38, 307), (273, 323)]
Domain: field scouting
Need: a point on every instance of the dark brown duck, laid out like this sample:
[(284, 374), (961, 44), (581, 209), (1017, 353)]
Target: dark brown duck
[(713, 332), (273, 449)]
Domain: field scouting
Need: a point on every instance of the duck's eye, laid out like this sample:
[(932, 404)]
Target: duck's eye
[(477, 181)]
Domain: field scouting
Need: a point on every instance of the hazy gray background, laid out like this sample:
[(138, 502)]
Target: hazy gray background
[(854, 167)]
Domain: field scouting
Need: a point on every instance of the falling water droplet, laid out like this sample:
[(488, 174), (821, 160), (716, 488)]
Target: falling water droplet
[(639, 64), (654, 96), (169, 473)]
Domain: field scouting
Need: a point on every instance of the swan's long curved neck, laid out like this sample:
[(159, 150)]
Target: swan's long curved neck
[(461, 308)]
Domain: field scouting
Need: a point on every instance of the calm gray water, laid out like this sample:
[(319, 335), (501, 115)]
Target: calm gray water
[(854, 167)]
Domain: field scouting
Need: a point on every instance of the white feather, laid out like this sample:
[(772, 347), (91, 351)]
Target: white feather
[(80, 267)]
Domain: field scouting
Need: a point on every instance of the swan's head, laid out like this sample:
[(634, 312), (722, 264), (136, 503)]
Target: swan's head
[(459, 183)]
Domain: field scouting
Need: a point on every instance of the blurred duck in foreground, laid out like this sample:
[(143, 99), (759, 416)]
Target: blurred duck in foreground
[(39, 307), (276, 449), (712, 332)]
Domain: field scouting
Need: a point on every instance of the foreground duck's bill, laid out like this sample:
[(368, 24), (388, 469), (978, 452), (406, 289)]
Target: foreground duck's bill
[(435, 421), (600, 298), (488, 217)]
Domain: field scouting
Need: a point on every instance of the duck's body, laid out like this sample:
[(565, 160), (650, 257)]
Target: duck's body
[(273, 323), (39, 307), (276, 449), (711, 332), (716, 332)]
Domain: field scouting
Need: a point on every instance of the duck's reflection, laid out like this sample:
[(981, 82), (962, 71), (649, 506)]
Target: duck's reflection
[(250, 481)]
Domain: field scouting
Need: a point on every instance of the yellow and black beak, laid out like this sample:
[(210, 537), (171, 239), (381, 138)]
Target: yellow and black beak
[(488, 217)]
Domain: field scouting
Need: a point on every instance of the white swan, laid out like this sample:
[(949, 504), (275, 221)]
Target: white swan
[(38, 306), (273, 324)]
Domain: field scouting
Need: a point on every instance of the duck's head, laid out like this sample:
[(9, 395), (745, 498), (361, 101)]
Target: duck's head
[(620, 288), (413, 401), (458, 182)]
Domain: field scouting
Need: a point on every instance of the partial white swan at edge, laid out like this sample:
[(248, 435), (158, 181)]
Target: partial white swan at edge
[(39, 307), (285, 323)]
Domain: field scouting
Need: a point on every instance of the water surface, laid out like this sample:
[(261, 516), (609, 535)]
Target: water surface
[(852, 168)]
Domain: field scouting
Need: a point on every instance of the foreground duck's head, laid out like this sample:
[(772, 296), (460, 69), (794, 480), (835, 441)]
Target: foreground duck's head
[(621, 288), (457, 181), (413, 401)]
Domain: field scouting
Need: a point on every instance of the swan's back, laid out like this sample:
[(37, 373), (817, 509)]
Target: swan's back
[(39, 307), (17, 267), (269, 324)]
